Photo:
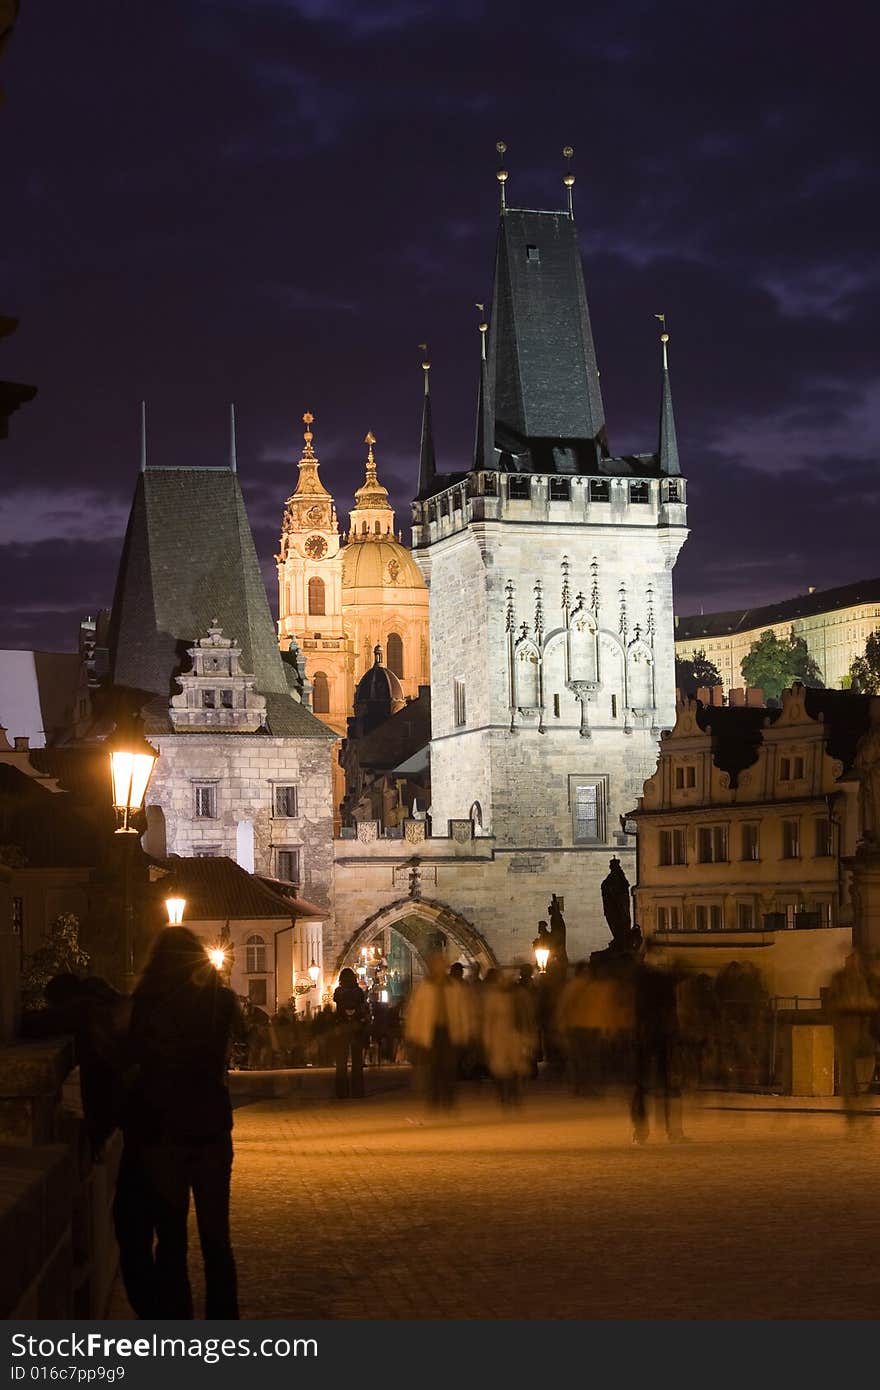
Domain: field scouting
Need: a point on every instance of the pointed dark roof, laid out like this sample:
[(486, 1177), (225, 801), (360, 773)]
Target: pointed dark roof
[(427, 457), (542, 369), (188, 558), (668, 452)]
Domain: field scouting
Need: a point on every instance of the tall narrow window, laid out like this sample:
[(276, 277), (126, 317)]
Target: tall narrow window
[(673, 847), (791, 839), (255, 955), (288, 865), (317, 599), (749, 847), (459, 703), (206, 800), (320, 693), (823, 838), (208, 699), (712, 844), (394, 655), (285, 801), (588, 804)]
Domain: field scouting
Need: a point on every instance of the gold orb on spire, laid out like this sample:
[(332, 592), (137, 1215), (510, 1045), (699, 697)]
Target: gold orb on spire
[(501, 147)]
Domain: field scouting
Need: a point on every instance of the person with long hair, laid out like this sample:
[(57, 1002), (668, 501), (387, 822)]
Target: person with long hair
[(178, 1127)]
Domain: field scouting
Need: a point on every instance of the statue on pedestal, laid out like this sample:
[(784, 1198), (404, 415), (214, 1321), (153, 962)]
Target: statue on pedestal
[(616, 906), (867, 765), (558, 953)]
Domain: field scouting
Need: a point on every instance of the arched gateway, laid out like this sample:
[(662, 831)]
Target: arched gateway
[(408, 930)]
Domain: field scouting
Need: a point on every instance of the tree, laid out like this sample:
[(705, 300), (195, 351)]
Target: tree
[(60, 954), (866, 668), (772, 665), (694, 673)]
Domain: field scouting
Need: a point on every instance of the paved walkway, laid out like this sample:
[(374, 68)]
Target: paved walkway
[(378, 1209)]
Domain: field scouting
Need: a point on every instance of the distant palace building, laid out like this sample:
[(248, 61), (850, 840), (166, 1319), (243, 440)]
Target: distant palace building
[(834, 623)]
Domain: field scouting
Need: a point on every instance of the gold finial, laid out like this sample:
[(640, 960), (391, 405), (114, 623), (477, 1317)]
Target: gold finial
[(664, 338), (484, 329), (369, 440), (568, 178), (308, 421), (501, 175)]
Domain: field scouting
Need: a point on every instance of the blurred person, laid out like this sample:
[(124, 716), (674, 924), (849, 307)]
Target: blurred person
[(853, 1003), (178, 1129), (350, 1035), (439, 1023), (508, 1035), (657, 1049), (579, 1026), (527, 1005)]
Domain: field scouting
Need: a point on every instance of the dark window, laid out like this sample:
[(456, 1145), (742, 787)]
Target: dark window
[(639, 492), (316, 595), (432, 513), (613, 706), (556, 706), (490, 485), (226, 699), (533, 255), (750, 843), (745, 916), (791, 839), (257, 992), (206, 801), (672, 492), (712, 844), (559, 490), (709, 917), (207, 852), (17, 916), (823, 838), (673, 848), (444, 506), (669, 918), (208, 699), (289, 865), (394, 655), (456, 501), (320, 693), (600, 490), (519, 487), (286, 801), (377, 529)]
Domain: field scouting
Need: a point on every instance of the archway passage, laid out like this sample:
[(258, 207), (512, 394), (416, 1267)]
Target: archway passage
[(407, 932)]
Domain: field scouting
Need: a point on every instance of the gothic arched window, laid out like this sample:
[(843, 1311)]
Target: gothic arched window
[(255, 955), (320, 693), (394, 655), (316, 595), (377, 528)]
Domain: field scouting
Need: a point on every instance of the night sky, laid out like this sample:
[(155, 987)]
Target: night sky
[(275, 201)]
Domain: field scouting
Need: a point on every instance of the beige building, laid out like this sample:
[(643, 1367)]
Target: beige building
[(744, 833), (834, 623), (341, 596)]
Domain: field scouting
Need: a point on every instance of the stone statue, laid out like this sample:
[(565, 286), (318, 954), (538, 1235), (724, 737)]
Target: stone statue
[(557, 932), (616, 905), (867, 765)]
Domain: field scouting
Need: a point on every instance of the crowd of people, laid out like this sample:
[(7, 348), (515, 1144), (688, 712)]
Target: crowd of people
[(154, 1065)]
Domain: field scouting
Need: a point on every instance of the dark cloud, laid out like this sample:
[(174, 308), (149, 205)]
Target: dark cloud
[(275, 201)]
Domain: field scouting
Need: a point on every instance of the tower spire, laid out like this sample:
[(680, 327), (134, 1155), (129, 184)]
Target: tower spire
[(309, 482), (668, 443), (568, 178), (427, 457), (484, 443), (501, 175), (233, 461), (143, 436)]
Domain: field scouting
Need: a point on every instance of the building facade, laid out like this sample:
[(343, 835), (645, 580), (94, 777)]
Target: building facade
[(744, 834), (834, 623), (548, 562)]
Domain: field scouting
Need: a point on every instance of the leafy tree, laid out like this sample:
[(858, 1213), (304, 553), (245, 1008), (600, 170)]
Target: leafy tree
[(866, 668), (773, 664), (691, 674), (60, 954)]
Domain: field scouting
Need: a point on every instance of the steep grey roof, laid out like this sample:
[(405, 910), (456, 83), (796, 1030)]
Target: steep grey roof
[(427, 457), (701, 625), (668, 453), (188, 558)]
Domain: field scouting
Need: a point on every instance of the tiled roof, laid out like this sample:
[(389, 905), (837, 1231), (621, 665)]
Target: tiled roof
[(701, 625), (218, 889)]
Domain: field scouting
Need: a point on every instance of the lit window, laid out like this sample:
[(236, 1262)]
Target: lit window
[(206, 800), (286, 801), (255, 955), (288, 865)]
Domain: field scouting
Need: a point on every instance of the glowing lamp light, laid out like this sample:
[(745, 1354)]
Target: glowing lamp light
[(174, 907), (542, 955), (217, 957), (314, 971), (132, 760)]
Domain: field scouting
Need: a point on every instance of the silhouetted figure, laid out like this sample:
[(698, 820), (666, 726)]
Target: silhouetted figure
[(439, 1023), (179, 1118), (527, 1004), (350, 1035), (557, 934), (657, 1050), (616, 905), (97, 1016), (853, 1003)]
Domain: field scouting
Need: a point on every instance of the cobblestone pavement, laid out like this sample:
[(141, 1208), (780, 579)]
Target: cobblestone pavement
[(380, 1209)]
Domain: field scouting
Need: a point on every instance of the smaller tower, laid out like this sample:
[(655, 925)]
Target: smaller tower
[(310, 589)]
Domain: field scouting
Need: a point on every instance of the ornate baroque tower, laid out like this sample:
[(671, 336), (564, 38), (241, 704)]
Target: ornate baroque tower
[(310, 590), (549, 564)]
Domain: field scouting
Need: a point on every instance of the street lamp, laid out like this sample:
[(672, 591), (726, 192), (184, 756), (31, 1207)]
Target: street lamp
[(314, 972), (217, 957), (174, 907), (132, 760), (542, 952)]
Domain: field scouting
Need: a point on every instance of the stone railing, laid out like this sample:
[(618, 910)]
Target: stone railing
[(56, 1225)]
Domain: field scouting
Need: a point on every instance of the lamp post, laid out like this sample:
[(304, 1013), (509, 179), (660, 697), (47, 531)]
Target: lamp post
[(174, 908), (132, 760), (542, 953)]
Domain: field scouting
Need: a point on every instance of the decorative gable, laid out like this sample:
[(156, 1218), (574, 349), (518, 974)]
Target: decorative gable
[(216, 693)]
